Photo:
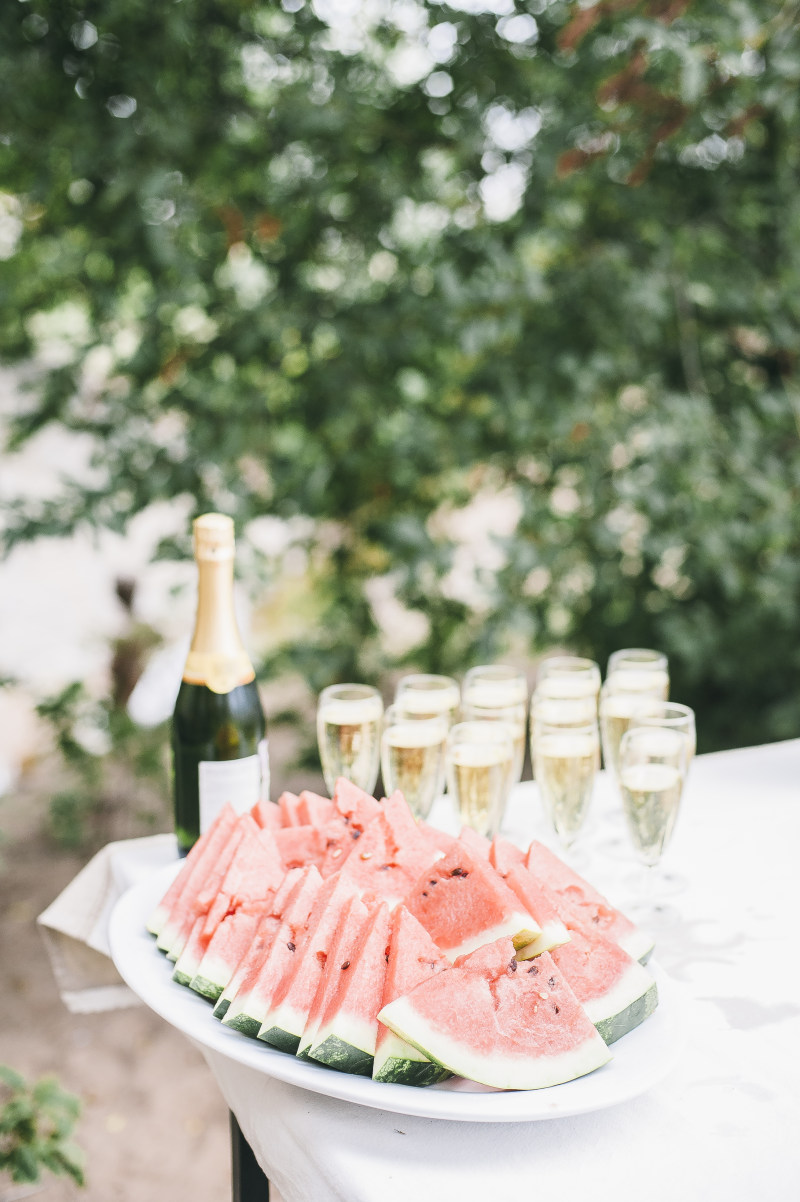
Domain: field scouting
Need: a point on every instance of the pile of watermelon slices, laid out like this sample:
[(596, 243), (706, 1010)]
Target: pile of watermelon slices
[(343, 931)]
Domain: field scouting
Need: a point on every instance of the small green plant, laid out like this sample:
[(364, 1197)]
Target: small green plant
[(36, 1125)]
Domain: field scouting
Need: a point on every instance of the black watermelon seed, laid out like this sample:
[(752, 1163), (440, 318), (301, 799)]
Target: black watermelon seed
[(433, 882), (357, 834), (512, 966), (346, 964), (290, 946), (556, 1009), (534, 968), (424, 894), (551, 981)]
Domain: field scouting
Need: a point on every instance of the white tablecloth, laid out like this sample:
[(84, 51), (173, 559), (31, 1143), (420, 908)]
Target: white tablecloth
[(723, 1125)]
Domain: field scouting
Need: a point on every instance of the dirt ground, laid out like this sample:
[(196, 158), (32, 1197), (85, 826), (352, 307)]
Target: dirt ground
[(153, 1124)]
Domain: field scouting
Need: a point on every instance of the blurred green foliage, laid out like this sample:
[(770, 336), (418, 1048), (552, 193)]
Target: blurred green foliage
[(36, 1125), (357, 272)]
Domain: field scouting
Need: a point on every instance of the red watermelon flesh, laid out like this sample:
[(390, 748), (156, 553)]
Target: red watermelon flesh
[(228, 944), (287, 804), (175, 932), (268, 924), (504, 855), (247, 1010), (592, 908), (288, 1013), (475, 843), (194, 867), (348, 1026), (253, 875), (413, 957), (439, 840), (354, 805), (463, 903), (542, 904), (391, 853), (499, 1022), (267, 814), (314, 810), (300, 845), (616, 992), (342, 949)]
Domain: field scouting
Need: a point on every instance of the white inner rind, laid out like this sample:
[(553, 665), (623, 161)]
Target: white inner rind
[(631, 986), (246, 1004), (636, 943), (495, 1069), (519, 927), (285, 1018)]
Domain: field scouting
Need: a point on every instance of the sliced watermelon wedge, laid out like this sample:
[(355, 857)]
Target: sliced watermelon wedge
[(499, 1022), (342, 951), (253, 875), (413, 957), (391, 853), (194, 868), (464, 903), (228, 944), (348, 1026), (575, 894), (314, 810), (247, 1010), (287, 804), (616, 992), (475, 843), (261, 942), (287, 1015), (176, 931), (267, 814), (504, 855)]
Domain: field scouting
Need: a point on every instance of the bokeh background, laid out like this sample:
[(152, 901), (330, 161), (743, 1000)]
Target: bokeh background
[(479, 317)]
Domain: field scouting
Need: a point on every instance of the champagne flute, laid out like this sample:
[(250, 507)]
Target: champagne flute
[(479, 758), (423, 694), (668, 715), (566, 762), (412, 757), (569, 676), (494, 686), (622, 695), (513, 716), (653, 761), (348, 734)]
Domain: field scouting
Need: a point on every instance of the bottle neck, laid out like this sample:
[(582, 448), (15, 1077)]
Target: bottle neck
[(216, 658)]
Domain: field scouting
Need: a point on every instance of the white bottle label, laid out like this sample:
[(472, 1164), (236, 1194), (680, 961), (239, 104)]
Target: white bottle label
[(241, 782)]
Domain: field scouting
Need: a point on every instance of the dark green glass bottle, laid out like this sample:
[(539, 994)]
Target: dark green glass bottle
[(219, 745)]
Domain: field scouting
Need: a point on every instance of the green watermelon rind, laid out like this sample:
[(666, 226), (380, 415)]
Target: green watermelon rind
[(221, 1006), (278, 1038), (621, 1015), (496, 1070), (637, 943), (399, 1063), (242, 1022), (182, 978), (342, 1056), (205, 987), (286, 1026)]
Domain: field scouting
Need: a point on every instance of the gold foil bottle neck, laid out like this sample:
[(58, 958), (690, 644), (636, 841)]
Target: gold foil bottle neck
[(213, 537)]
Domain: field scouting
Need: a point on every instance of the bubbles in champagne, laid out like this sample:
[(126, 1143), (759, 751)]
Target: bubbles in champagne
[(348, 733), (479, 777), (412, 756)]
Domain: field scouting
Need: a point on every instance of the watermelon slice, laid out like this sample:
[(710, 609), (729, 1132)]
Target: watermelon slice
[(475, 843), (262, 940), (194, 868), (348, 1026), (287, 1016), (354, 805), (228, 944), (464, 903), (253, 875), (176, 931), (413, 957), (267, 814), (247, 1010), (391, 853), (591, 908), (504, 855), (499, 1022), (342, 951), (287, 804), (301, 845), (313, 810), (616, 992)]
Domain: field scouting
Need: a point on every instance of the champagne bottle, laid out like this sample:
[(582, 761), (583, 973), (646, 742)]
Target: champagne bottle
[(219, 742)]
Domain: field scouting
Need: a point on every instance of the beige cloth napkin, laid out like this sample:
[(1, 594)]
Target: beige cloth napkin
[(75, 926)]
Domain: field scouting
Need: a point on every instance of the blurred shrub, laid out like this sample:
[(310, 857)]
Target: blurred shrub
[(36, 1125), (355, 274)]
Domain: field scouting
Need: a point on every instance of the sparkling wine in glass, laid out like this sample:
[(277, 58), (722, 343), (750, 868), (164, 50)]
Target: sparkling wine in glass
[(348, 734), (566, 762), (480, 758), (513, 716), (426, 695), (630, 683), (412, 757), (653, 761)]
